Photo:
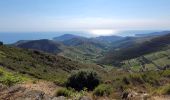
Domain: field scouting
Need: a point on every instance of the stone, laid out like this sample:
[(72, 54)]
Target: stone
[(59, 98)]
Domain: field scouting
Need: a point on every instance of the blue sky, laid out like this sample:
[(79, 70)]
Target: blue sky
[(63, 15)]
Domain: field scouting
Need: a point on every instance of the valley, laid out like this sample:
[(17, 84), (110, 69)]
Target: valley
[(118, 67)]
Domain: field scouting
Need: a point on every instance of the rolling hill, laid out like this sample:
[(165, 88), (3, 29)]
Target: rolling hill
[(71, 46), (42, 45), (93, 49), (108, 39), (153, 34)]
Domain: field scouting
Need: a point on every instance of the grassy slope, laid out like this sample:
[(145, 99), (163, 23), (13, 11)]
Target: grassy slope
[(40, 65), (83, 53), (78, 49)]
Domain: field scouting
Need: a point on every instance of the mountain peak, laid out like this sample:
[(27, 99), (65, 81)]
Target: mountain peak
[(65, 37)]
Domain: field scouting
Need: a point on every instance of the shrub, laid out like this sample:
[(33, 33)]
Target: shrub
[(1, 73), (136, 79), (151, 77), (83, 79), (166, 90), (102, 90), (64, 92)]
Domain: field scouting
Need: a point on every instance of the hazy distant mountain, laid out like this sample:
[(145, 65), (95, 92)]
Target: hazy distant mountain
[(108, 39), (153, 34), (69, 37), (82, 41), (20, 42), (42, 45), (65, 37)]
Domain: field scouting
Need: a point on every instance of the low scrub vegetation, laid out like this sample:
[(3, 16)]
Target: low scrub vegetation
[(71, 93), (163, 90), (103, 90), (10, 79)]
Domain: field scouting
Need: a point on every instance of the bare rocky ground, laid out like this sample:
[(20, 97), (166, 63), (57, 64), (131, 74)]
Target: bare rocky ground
[(42, 90)]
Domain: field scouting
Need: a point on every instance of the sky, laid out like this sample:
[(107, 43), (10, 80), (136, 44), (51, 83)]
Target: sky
[(96, 16)]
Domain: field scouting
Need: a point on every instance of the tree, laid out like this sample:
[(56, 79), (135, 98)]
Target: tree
[(1, 43), (83, 79)]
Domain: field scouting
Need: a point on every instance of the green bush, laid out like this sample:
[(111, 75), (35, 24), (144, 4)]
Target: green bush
[(102, 90), (64, 92), (83, 79)]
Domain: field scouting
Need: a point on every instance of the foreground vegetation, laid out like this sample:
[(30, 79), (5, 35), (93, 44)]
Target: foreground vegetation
[(9, 78)]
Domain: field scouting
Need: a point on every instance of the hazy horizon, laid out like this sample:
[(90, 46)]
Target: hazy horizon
[(101, 17), (12, 37)]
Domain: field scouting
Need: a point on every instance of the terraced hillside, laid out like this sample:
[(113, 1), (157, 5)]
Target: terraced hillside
[(154, 61)]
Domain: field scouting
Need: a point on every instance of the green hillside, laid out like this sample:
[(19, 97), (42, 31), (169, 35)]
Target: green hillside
[(79, 49), (40, 65), (138, 49)]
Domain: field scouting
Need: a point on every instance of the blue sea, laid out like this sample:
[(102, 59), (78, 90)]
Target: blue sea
[(12, 37)]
